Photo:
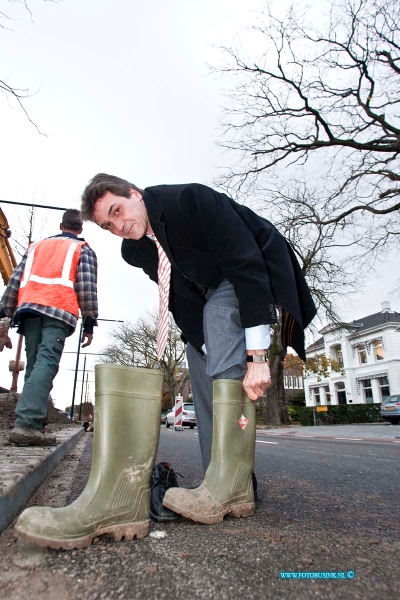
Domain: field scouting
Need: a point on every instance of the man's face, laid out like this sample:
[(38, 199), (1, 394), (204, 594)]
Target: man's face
[(126, 217)]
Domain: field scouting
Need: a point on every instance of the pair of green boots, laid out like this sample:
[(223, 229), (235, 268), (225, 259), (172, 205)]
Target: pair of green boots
[(116, 499)]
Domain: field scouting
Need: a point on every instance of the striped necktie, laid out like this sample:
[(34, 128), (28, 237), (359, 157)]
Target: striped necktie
[(164, 278)]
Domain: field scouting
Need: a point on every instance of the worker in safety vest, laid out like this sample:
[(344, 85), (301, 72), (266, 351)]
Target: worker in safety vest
[(56, 278)]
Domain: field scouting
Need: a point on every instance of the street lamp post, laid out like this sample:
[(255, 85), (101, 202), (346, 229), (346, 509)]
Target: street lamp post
[(77, 362), (83, 379), (71, 416)]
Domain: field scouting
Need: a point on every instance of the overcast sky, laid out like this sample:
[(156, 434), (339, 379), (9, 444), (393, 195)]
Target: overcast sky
[(121, 87)]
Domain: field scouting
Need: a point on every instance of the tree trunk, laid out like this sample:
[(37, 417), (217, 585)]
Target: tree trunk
[(171, 385), (276, 413)]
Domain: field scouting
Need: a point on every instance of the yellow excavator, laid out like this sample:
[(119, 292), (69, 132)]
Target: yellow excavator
[(7, 266), (7, 258)]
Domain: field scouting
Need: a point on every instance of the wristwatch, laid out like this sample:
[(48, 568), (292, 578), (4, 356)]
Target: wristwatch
[(258, 358)]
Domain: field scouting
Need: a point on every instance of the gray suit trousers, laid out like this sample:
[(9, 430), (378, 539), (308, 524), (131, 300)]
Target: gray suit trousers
[(226, 358)]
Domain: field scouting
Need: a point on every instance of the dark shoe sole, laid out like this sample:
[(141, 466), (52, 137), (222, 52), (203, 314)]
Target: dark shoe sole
[(164, 519)]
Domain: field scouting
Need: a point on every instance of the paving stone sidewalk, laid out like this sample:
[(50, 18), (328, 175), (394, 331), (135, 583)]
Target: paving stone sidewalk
[(23, 469), (362, 431)]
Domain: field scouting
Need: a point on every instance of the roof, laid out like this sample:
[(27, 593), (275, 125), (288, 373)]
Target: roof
[(317, 344), (380, 318), (368, 322)]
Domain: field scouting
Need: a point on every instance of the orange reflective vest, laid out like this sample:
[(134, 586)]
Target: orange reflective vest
[(50, 273)]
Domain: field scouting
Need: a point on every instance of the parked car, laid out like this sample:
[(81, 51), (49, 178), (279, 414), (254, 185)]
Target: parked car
[(390, 409), (163, 418), (188, 416)]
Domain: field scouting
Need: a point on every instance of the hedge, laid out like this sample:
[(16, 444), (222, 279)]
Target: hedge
[(337, 415)]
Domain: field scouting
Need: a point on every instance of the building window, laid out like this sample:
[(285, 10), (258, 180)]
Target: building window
[(295, 382), (290, 382), (339, 355), (285, 381), (362, 354), (367, 391), (316, 396), (378, 350), (328, 396), (384, 389), (340, 389)]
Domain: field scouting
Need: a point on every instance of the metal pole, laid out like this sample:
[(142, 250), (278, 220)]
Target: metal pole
[(83, 378), (14, 383), (87, 388), (34, 205), (71, 416), (77, 362)]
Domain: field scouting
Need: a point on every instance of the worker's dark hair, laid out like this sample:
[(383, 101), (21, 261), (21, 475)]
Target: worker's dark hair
[(98, 187), (72, 220)]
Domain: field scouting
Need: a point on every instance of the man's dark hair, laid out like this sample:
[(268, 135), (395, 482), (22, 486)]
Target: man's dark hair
[(72, 220), (98, 187)]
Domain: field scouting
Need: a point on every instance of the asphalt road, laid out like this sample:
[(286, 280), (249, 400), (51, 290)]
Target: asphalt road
[(323, 505)]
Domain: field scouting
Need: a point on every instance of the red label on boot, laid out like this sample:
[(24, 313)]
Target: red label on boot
[(243, 422)]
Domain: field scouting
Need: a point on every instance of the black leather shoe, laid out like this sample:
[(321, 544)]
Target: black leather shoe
[(163, 477), (255, 484)]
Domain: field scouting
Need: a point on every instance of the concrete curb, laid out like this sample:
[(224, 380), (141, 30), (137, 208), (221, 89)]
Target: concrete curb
[(27, 468)]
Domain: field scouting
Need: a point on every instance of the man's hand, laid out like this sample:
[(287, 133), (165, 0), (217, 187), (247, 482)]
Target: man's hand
[(256, 380), (5, 323), (86, 339), (5, 342)]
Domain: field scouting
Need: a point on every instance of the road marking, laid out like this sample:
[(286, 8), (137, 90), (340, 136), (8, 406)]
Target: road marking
[(396, 441), (349, 439), (304, 436), (263, 442)]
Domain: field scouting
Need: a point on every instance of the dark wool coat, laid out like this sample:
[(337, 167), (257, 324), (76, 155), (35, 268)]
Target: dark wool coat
[(208, 237)]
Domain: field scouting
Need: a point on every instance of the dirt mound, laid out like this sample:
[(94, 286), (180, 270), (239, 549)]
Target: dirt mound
[(53, 416), (7, 409)]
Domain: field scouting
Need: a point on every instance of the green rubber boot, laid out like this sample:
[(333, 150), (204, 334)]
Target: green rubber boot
[(227, 486), (116, 499)]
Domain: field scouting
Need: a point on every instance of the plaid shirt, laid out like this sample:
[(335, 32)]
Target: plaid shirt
[(85, 288)]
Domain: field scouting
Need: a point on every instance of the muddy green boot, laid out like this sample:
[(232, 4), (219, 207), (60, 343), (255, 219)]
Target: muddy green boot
[(227, 486), (116, 499)]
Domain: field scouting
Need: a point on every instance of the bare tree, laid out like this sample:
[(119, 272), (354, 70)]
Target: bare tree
[(135, 345), (12, 93), (323, 101), (311, 114), (321, 251), (28, 231)]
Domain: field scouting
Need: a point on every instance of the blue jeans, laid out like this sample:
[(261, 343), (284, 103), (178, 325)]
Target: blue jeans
[(44, 344)]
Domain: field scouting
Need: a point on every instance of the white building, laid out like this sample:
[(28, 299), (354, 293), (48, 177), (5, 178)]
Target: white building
[(369, 351)]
